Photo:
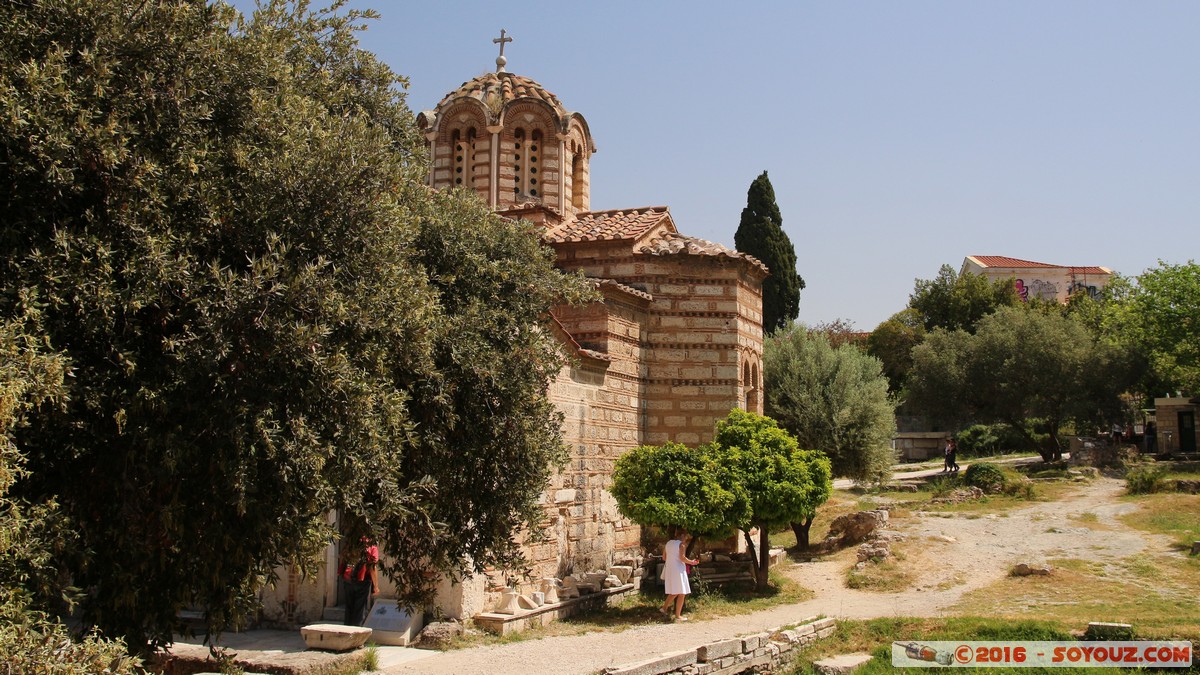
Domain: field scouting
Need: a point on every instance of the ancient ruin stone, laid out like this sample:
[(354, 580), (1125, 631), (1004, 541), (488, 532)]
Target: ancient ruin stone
[(1025, 570), (876, 550), (621, 572), (439, 633), (509, 604), (854, 528), (961, 495), (570, 588)]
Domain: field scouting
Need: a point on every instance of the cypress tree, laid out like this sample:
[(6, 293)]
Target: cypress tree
[(761, 235)]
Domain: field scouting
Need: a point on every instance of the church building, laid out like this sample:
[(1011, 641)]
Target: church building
[(674, 344)]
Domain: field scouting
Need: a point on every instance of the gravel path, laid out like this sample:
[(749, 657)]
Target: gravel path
[(965, 554)]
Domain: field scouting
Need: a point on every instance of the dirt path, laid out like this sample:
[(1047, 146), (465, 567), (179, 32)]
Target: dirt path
[(956, 555)]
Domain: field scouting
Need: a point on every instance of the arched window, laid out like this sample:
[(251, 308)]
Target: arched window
[(463, 156), (577, 187), (526, 151), (753, 390)]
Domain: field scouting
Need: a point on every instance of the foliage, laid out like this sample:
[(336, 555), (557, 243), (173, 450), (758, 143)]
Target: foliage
[(985, 476), (1157, 320), (672, 484), (957, 302), (892, 343), (34, 644), (225, 229), (950, 301), (782, 483), (31, 377), (753, 475), (832, 399), (989, 439), (840, 332), (1144, 479), (1019, 367), (760, 234)]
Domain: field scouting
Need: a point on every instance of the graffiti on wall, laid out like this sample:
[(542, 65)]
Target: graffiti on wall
[(1037, 288)]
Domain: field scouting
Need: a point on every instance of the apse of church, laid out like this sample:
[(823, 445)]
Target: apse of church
[(675, 342)]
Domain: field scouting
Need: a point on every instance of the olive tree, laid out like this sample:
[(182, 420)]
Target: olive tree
[(1021, 367), (268, 316), (831, 399)]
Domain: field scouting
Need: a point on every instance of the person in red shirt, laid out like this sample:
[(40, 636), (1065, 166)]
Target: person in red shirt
[(360, 579)]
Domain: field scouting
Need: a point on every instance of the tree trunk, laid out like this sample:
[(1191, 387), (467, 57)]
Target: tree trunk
[(1046, 453), (750, 547), (762, 565), (801, 532)]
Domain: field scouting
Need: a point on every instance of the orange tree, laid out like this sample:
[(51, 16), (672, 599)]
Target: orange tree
[(753, 475)]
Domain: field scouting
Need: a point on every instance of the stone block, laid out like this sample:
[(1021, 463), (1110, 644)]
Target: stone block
[(661, 664), (823, 623), (842, 664), (1100, 630), (622, 572), (393, 625), (334, 638), (751, 642), (716, 650)]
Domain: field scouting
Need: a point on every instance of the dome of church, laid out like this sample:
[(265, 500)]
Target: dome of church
[(495, 90)]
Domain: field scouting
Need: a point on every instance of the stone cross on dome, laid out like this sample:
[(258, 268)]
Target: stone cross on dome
[(500, 60)]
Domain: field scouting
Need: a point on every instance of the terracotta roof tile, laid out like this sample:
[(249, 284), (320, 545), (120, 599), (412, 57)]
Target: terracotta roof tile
[(601, 283), (673, 243), (1005, 261), (607, 225), (506, 87)]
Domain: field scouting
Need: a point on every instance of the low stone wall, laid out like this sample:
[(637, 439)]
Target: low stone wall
[(503, 624), (768, 650)]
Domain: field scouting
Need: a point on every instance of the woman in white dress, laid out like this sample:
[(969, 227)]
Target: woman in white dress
[(675, 577)]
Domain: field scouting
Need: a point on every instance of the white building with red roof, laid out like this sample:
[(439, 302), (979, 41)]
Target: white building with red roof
[(1043, 281)]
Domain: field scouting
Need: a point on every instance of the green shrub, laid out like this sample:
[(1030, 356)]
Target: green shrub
[(980, 439), (31, 642), (942, 486), (1141, 480), (986, 476), (1022, 488)]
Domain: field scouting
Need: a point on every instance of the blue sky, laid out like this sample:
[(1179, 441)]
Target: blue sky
[(898, 135)]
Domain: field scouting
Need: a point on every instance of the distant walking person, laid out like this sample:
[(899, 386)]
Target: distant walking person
[(675, 577), (360, 579), (951, 455)]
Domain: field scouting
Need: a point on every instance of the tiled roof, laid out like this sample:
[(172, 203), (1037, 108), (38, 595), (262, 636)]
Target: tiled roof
[(607, 225), (506, 87), (601, 283), (569, 341), (1005, 261), (674, 242)]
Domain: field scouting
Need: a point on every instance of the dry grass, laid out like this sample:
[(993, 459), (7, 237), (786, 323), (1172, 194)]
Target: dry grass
[(1155, 593), (888, 576), (876, 636), (1174, 515)]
